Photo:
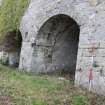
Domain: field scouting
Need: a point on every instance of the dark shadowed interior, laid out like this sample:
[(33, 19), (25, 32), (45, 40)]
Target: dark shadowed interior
[(56, 45), (12, 46)]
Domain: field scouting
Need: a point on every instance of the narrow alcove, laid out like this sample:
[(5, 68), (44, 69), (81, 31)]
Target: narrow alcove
[(12, 47), (56, 46)]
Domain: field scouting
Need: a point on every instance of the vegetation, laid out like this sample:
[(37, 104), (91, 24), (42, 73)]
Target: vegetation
[(11, 12), (27, 89)]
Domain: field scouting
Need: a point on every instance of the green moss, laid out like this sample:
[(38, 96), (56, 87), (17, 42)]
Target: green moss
[(11, 12)]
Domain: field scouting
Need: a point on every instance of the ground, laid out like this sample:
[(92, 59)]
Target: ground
[(19, 88)]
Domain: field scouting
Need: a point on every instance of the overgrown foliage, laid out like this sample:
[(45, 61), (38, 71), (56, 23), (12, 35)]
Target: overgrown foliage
[(11, 12)]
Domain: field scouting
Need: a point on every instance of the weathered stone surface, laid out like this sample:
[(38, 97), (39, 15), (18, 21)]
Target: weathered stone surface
[(93, 2)]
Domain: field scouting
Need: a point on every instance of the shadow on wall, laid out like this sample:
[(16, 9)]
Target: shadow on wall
[(56, 46), (11, 48)]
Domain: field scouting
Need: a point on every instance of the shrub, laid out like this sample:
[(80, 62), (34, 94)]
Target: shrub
[(11, 12)]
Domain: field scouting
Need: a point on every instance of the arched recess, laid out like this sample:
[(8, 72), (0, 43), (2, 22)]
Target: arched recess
[(12, 48), (56, 45)]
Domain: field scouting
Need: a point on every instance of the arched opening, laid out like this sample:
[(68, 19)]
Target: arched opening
[(12, 48), (56, 46)]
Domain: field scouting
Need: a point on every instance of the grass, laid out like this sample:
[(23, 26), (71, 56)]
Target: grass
[(18, 88)]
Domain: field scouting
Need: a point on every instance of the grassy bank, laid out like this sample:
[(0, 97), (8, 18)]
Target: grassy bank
[(18, 88)]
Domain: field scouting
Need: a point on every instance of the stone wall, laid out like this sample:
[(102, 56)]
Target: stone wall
[(92, 44), (90, 16)]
